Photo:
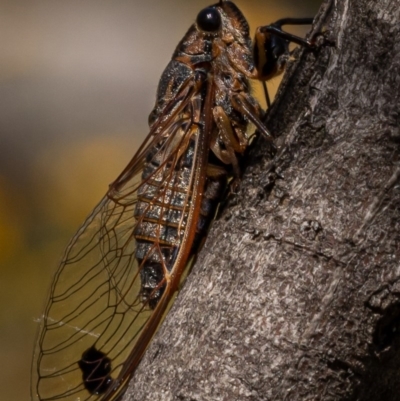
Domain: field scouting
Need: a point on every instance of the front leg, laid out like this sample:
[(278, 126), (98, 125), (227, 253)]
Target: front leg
[(227, 137)]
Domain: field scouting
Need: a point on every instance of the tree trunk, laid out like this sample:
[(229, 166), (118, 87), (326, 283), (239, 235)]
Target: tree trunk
[(296, 293)]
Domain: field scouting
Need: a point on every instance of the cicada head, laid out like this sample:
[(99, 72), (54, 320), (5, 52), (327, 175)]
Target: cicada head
[(220, 36)]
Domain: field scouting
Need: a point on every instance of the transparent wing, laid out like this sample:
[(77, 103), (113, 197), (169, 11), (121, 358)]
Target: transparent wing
[(94, 302), (97, 322)]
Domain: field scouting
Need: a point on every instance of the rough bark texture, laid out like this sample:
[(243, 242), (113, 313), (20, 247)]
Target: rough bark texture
[(296, 293)]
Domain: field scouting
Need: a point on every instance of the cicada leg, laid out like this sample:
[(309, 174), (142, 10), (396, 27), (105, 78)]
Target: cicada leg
[(242, 103), (271, 48), (233, 141)]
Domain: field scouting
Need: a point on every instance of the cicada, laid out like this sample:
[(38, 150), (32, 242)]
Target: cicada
[(123, 266)]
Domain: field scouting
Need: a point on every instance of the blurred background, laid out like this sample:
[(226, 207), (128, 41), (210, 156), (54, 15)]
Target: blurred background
[(77, 82)]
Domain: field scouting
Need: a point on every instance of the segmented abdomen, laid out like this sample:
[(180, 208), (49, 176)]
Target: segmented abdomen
[(162, 210)]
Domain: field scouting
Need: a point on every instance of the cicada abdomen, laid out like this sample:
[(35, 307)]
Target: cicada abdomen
[(123, 266)]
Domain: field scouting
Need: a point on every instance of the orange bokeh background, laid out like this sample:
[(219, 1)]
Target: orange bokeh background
[(78, 80)]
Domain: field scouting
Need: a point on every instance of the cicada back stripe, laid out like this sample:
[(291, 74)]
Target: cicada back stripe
[(123, 266)]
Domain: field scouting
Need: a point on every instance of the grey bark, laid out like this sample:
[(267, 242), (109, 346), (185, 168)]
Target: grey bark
[(296, 293)]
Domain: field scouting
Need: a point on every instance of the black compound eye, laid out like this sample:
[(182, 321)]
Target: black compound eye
[(209, 19)]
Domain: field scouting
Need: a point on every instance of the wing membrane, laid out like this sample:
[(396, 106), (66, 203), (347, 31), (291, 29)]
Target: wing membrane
[(95, 299), (96, 312)]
